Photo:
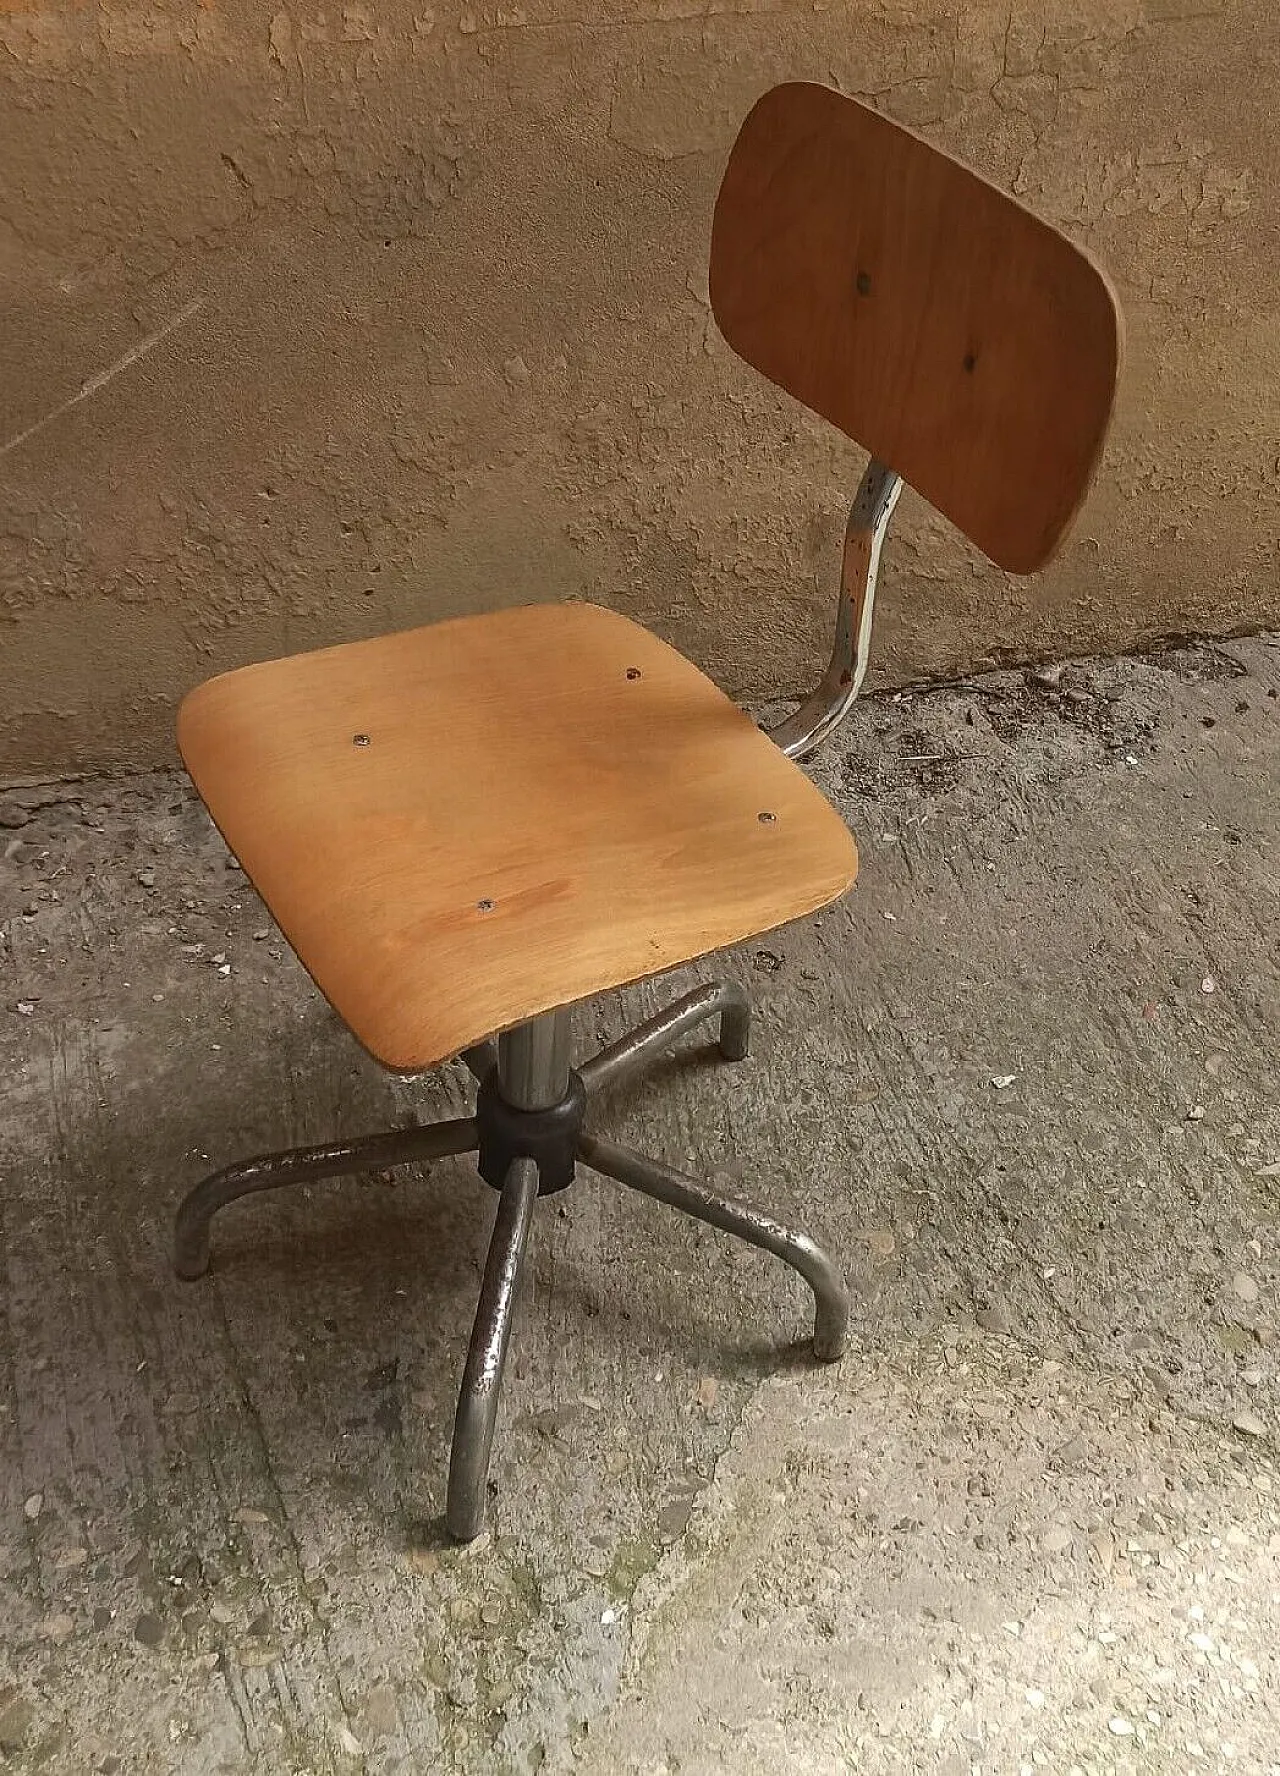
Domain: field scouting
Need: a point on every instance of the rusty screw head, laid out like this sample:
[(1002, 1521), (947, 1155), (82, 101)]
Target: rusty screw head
[(633, 672), (766, 818), (485, 906), (360, 740)]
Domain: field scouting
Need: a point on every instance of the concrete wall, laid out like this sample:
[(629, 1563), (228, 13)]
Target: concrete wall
[(388, 311)]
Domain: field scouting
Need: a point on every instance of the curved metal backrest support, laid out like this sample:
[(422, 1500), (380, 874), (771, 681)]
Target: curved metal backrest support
[(828, 704), (928, 315)]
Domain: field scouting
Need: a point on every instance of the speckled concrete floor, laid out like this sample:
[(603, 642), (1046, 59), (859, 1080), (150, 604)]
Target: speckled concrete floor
[(1023, 1082)]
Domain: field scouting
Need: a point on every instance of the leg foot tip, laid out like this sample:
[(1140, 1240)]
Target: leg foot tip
[(190, 1270), (831, 1335), (735, 1032)]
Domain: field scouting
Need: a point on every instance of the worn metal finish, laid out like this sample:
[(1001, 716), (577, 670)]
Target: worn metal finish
[(637, 1172), (533, 1075), (300, 1165), (631, 1053), (828, 704), (486, 1358), (533, 1061), (480, 1060)]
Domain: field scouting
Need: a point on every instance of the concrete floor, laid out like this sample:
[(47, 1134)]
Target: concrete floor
[(1023, 1081)]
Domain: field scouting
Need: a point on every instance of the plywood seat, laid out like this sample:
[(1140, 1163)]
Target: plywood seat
[(462, 826)]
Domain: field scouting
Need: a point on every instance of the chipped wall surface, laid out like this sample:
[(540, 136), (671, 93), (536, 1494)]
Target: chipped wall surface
[(329, 320)]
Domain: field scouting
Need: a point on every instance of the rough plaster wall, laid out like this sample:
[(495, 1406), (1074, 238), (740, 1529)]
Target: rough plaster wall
[(414, 308)]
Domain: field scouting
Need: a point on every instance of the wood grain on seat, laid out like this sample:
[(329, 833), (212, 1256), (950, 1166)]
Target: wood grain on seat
[(465, 825), (956, 336)]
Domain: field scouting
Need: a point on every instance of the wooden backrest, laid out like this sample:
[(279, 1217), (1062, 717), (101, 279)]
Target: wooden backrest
[(942, 326)]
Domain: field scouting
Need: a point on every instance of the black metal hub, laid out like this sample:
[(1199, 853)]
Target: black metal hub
[(548, 1137)]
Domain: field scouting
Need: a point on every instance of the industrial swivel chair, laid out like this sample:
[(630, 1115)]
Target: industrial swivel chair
[(466, 829)]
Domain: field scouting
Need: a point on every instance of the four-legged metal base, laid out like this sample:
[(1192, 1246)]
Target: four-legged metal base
[(534, 1079)]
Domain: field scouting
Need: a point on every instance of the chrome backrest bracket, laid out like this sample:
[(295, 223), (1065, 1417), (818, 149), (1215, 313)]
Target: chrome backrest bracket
[(826, 707)]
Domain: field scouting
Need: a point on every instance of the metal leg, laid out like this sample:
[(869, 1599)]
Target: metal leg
[(480, 1060), (831, 1299), (482, 1377), (273, 1170), (636, 1050), (533, 1075), (529, 1069)]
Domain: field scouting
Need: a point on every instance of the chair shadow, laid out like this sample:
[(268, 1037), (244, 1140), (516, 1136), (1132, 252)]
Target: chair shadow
[(422, 1242), (374, 1281)]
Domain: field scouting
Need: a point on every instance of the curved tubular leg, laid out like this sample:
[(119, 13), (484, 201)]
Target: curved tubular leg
[(486, 1359), (272, 1170), (480, 1060), (831, 1299), (634, 1051)]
